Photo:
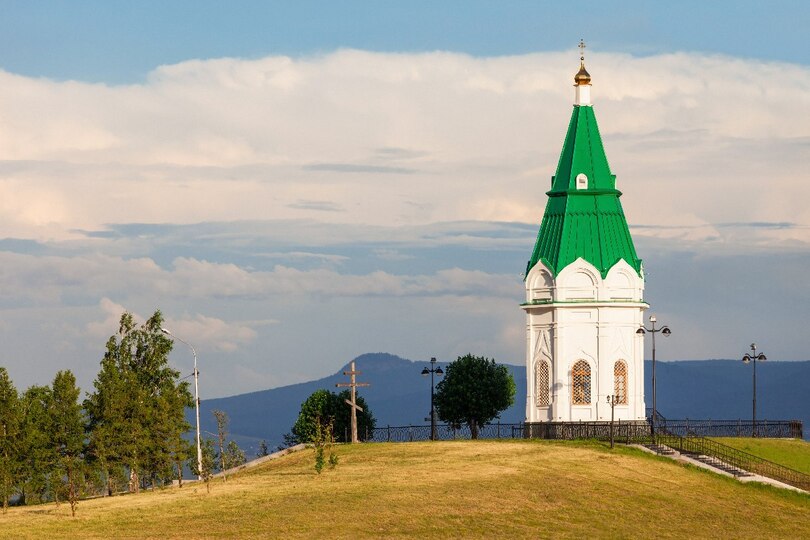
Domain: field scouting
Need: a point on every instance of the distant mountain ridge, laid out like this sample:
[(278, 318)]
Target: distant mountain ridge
[(399, 395)]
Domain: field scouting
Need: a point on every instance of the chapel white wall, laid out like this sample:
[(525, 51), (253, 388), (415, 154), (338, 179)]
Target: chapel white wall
[(586, 318)]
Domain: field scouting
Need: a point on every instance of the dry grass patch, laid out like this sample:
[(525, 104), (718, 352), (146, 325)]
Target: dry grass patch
[(508, 489)]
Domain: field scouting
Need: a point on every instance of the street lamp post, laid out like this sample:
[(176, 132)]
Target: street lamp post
[(438, 371), (748, 358), (666, 332), (612, 401), (196, 398)]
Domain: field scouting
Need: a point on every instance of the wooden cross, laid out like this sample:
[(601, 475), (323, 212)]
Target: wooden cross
[(353, 402)]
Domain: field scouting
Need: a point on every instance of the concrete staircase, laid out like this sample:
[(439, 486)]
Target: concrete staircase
[(661, 449), (721, 465)]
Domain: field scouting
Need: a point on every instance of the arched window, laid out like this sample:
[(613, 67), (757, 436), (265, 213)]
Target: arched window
[(541, 378), (620, 382), (581, 383)]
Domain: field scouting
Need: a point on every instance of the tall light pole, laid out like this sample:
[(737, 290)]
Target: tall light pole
[(748, 358), (438, 371), (666, 332), (196, 398)]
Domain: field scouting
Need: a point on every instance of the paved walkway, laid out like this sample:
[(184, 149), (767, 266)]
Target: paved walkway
[(258, 461)]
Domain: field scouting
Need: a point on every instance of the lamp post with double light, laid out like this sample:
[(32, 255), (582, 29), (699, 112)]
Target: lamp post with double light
[(653, 330), (196, 398), (753, 357), (438, 371)]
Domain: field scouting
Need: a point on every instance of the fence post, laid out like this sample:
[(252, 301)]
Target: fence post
[(389, 433), (499, 428), (739, 426), (410, 433)]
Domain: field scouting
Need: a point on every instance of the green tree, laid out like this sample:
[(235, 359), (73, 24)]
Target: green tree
[(234, 456), (67, 436), (328, 408), (262, 449), (137, 412), (10, 421), (322, 441), (37, 451), (474, 391), (314, 411), (114, 412)]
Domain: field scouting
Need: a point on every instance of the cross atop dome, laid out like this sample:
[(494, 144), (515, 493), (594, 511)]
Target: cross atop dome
[(582, 80), (582, 77)]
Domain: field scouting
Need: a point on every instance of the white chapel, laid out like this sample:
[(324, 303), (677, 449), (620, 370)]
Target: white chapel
[(584, 289)]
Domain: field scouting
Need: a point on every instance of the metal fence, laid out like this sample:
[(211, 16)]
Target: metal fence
[(775, 429), (623, 431), (444, 432)]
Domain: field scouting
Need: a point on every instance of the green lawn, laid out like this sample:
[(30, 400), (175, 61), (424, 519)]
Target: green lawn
[(793, 453), (469, 489)]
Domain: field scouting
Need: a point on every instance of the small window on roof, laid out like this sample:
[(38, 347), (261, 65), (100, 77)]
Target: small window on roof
[(582, 181)]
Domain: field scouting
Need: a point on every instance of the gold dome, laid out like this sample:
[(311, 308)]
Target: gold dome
[(582, 77)]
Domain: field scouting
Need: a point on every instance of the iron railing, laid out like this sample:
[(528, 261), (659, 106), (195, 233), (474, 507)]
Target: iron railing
[(444, 432), (696, 445), (623, 431), (773, 429)]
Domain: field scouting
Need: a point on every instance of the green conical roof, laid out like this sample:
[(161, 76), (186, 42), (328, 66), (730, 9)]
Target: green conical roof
[(589, 222)]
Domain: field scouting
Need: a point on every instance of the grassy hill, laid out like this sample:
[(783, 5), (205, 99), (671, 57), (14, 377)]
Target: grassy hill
[(508, 489)]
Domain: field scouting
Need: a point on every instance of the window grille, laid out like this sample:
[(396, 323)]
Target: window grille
[(581, 383), (541, 379), (620, 382)]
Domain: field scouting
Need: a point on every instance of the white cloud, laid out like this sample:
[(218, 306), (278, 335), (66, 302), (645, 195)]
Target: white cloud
[(49, 280), (286, 138), (370, 178)]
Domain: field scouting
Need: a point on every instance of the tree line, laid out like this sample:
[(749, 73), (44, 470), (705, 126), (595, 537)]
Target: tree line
[(126, 435)]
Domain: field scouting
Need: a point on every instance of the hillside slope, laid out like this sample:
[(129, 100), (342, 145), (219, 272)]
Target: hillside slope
[(479, 489)]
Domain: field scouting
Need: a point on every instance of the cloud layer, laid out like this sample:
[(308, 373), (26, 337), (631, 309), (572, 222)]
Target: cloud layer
[(287, 213)]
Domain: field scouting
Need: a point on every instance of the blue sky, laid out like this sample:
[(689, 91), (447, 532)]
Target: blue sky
[(120, 42), (295, 184)]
